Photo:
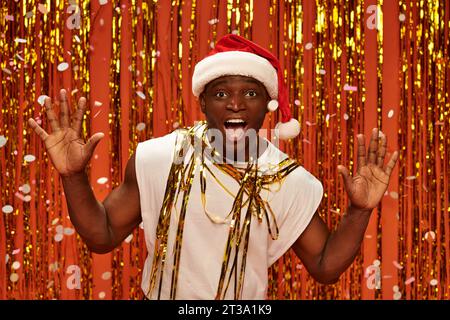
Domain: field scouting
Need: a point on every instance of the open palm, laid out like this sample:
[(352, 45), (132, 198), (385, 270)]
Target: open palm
[(68, 152), (366, 188)]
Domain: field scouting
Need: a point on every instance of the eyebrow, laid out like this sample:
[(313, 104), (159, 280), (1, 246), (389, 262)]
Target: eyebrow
[(223, 81)]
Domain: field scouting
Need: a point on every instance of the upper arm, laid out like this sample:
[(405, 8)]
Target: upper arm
[(311, 243), (123, 206)]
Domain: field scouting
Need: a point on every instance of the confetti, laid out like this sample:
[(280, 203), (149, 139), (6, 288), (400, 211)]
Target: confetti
[(102, 2), (69, 231), (102, 180), (59, 229), (27, 198), (106, 275), (98, 103), (7, 209), (15, 265), (20, 40), (129, 238), (55, 221), (29, 158), (6, 258), (15, 251), (3, 141), (6, 70), (433, 282), (29, 14), (140, 126), (297, 102), (410, 280), (411, 178), (327, 117), (390, 113), (58, 237), (350, 88), (9, 17), (397, 265), (393, 194), (322, 71), (102, 295), (430, 234), (397, 295), (140, 95), (14, 277), (401, 17), (213, 21), (41, 99), (376, 262), (42, 8), (346, 117), (235, 32), (77, 39), (25, 188), (63, 66), (308, 46)]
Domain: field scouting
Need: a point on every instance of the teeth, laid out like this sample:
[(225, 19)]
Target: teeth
[(235, 121)]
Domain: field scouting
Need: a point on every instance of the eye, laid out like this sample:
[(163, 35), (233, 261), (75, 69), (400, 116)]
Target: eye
[(251, 93), (221, 94)]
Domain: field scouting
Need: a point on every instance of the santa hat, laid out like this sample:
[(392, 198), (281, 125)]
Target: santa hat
[(235, 55)]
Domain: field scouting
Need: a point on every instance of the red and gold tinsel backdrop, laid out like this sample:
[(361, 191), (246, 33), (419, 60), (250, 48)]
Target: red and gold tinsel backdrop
[(350, 66)]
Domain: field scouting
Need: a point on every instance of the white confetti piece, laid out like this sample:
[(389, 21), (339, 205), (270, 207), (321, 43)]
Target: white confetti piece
[(63, 66), (140, 95), (6, 70), (322, 71), (50, 284), (298, 266), (102, 2), (20, 40), (15, 265), (18, 56), (390, 113), (401, 17), (106, 275), (393, 194), (42, 8), (58, 237), (27, 198), (102, 22), (348, 87), (9, 17), (55, 221), (25, 188), (411, 178), (69, 231), (395, 288), (7, 209), (102, 295), (29, 158), (3, 141), (346, 117), (430, 234), (308, 46), (41, 99), (235, 32), (77, 39), (410, 280), (6, 258), (14, 277), (59, 229), (15, 251), (129, 238), (397, 265), (433, 282), (297, 102), (98, 104), (327, 117), (213, 21), (140, 126), (397, 295), (102, 180)]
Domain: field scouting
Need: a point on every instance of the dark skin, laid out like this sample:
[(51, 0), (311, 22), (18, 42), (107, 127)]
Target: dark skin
[(104, 225)]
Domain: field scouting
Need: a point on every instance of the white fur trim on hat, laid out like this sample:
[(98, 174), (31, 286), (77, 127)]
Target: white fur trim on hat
[(287, 130), (235, 63)]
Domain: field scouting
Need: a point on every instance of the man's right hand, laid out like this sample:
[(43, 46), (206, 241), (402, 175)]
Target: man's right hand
[(68, 152)]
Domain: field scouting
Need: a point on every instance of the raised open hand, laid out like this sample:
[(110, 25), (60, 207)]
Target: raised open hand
[(366, 188), (68, 152)]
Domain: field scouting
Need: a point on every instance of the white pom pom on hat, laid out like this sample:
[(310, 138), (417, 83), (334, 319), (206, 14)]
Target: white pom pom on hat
[(235, 55)]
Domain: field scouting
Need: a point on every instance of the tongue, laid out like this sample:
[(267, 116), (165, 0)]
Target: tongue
[(234, 134)]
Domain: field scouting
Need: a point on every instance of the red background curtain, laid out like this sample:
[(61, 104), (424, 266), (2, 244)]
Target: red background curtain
[(350, 66)]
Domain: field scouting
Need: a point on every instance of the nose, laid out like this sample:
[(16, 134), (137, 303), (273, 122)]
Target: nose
[(236, 103)]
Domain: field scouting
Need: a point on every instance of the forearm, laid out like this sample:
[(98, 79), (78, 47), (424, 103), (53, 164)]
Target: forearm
[(344, 243), (86, 213)]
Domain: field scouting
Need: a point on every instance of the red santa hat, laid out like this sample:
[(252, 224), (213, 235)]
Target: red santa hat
[(235, 55)]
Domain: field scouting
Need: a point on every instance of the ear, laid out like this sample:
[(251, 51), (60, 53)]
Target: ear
[(202, 103)]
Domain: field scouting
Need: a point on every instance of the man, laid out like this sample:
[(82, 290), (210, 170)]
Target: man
[(219, 204)]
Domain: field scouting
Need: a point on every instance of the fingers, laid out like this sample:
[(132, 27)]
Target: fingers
[(391, 164), (64, 114), (373, 147), (51, 115), (92, 143), (382, 150), (346, 176), (77, 120), (361, 151), (37, 128)]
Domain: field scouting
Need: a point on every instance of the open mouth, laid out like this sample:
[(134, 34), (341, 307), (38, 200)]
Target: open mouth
[(235, 129)]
